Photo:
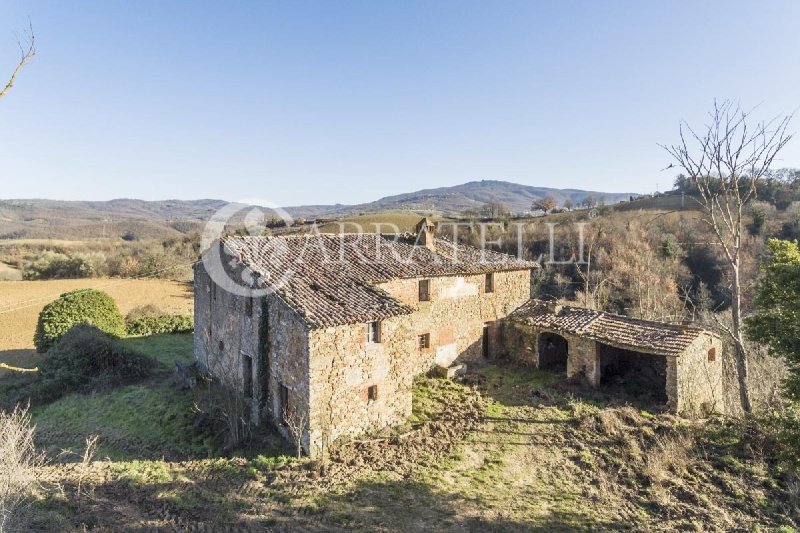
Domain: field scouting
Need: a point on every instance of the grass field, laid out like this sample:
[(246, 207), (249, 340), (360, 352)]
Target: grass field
[(511, 450), (21, 302)]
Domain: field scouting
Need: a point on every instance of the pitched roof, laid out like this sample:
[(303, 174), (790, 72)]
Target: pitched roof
[(635, 334), (330, 279)]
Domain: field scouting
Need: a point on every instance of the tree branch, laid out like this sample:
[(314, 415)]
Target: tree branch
[(27, 52)]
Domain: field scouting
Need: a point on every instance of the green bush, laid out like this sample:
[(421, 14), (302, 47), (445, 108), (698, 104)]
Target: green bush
[(82, 306), (54, 265), (86, 359), (151, 325)]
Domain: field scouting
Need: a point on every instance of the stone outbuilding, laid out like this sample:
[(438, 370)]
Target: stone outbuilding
[(348, 321), (674, 364)]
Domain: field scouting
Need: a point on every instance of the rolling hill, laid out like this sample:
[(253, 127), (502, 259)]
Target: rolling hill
[(55, 219)]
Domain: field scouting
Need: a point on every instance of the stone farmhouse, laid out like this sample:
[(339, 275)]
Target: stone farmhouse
[(351, 320), (334, 327)]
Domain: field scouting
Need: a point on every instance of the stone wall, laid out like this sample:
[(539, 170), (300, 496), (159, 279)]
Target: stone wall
[(696, 378), (458, 309), (343, 365), (264, 333)]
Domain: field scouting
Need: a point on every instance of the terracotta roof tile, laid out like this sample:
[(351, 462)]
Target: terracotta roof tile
[(648, 336), (330, 279)]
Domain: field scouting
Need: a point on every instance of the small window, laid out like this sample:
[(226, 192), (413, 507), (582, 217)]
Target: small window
[(213, 291), (247, 375), (489, 287), (373, 332), (712, 355), (221, 346), (372, 393), (424, 341), (248, 306), (424, 290), (283, 408)]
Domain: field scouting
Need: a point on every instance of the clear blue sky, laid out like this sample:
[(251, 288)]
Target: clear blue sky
[(334, 101)]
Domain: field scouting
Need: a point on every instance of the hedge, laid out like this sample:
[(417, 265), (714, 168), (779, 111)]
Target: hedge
[(82, 306), (151, 325)]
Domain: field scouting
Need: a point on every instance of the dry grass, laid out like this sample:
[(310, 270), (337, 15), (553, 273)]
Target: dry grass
[(19, 464), (21, 302), (668, 457), (9, 273)]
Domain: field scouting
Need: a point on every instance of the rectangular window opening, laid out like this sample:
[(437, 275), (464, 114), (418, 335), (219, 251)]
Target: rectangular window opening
[(712, 355), (373, 332), (247, 375), (283, 403), (489, 282), (372, 393), (424, 341), (424, 290), (248, 306)]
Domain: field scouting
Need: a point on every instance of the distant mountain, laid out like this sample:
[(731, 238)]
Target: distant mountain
[(455, 199), (55, 219)]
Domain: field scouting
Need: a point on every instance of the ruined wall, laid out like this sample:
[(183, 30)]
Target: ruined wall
[(695, 380)]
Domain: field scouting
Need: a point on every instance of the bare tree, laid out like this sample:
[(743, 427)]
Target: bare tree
[(725, 161), (545, 203), (567, 204), (296, 421), (27, 49)]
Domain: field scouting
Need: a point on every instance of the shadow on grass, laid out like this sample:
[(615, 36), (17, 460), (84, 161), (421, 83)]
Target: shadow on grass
[(412, 506), (231, 502)]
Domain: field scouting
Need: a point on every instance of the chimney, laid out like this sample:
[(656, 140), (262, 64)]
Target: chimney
[(553, 306), (426, 233)]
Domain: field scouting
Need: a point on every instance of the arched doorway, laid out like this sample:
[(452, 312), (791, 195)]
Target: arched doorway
[(553, 351)]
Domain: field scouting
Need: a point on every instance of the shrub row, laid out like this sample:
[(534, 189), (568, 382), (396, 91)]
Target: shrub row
[(150, 325)]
